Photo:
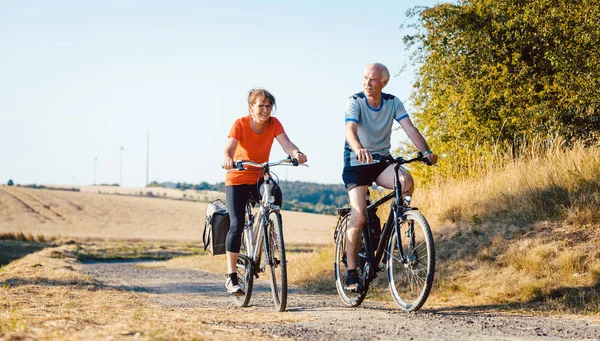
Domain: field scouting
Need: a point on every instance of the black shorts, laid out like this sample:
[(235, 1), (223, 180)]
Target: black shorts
[(363, 175)]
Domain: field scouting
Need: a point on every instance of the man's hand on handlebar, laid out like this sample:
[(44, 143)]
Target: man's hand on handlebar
[(364, 156), (429, 158)]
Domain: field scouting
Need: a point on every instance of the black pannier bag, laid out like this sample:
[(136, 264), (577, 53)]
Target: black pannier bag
[(216, 227)]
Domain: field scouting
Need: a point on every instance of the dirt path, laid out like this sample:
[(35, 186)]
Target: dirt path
[(322, 317)]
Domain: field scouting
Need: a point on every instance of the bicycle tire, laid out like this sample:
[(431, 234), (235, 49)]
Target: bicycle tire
[(340, 266), (245, 274), (277, 262), (411, 283)]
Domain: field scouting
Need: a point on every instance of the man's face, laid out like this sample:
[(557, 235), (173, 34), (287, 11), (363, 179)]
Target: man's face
[(373, 83)]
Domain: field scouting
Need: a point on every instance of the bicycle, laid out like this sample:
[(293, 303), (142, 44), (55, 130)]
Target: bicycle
[(263, 234), (404, 250)]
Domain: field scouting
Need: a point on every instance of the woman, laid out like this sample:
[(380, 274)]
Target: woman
[(250, 138)]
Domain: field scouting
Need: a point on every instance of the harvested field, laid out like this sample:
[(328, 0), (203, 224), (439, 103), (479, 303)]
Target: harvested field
[(87, 214)]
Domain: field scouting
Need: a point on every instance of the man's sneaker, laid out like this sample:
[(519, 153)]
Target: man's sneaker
[(353, 282), (232, 285)]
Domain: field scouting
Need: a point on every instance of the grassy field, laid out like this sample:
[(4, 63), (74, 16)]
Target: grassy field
[(91, 215), (521, 232), (44, 296), (520, 235), (44, 234)]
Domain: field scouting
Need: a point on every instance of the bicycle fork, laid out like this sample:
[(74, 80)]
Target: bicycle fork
[(407, 257)]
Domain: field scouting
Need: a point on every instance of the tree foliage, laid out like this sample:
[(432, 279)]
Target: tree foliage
[(499, 72), (297, 195)]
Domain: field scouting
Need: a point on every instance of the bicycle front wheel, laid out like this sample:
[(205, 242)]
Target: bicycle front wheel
[(245, 274), (411, 277), (276, 261), (340, 266)]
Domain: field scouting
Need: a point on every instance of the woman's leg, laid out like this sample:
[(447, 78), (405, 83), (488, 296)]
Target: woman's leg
[(236, 197)]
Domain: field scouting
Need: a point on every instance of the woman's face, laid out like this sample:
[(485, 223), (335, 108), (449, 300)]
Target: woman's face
[(261, 109)]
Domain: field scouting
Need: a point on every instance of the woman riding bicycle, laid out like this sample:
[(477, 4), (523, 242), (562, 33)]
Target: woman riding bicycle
[(250, 138)]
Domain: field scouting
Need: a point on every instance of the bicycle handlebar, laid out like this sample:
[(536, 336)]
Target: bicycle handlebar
[(289, 161), (400, 160)]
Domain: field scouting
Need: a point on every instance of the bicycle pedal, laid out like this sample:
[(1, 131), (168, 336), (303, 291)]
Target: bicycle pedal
[(237, 293)]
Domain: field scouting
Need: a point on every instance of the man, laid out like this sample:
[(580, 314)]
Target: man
[(369, 120)]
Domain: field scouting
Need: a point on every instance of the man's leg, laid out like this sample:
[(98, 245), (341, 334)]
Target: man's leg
[(386, 179), (358, 203)]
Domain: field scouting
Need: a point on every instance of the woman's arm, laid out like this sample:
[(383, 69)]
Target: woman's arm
[(228, 153), (290, 148)]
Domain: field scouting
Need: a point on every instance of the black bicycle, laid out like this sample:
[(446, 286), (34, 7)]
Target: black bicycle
[(403, 247), (263, 236)]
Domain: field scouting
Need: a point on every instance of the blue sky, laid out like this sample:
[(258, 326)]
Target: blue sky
[(81, 79)]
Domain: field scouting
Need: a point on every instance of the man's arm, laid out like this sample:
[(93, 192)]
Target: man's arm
[(417, 139), (352, 139)]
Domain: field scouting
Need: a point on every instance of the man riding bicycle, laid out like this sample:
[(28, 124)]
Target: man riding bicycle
[(369, 119)]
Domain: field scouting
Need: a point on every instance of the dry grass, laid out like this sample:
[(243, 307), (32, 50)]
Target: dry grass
[(159, 192), (45, 297), (84, 215), (523, 233), (300, 258)]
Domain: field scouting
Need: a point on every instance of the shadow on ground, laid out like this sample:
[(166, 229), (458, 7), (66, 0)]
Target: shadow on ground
[(11, 250)]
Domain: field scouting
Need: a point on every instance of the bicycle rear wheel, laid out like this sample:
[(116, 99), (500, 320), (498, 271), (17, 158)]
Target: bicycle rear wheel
[(245, 275), (340, 266), (276, 261), (411, 280)]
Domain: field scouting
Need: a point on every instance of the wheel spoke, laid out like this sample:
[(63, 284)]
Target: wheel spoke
[(276, 262), (411, 282)]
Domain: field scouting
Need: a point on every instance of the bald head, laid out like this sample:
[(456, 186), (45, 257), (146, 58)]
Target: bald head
[(382, 69)]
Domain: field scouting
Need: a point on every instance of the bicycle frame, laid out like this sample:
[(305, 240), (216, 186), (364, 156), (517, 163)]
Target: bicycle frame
[(255, 232), (405, 249), (376, 257)]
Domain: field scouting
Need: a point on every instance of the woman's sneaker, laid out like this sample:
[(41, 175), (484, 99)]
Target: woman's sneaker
[(232, 285), (353, 282)]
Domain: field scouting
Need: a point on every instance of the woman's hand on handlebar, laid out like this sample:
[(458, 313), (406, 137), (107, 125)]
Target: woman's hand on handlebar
[(227, 163), (300, 156)]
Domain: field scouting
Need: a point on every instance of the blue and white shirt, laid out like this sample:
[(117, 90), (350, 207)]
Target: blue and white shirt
[(374, 124)]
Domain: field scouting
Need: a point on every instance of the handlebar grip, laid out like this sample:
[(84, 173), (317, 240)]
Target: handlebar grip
[(423, 158), (239, 165)]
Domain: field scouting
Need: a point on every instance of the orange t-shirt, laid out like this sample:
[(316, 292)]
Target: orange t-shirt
[(251, 147)]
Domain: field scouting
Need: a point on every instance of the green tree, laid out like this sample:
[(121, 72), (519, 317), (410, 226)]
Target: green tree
[(498, 72)]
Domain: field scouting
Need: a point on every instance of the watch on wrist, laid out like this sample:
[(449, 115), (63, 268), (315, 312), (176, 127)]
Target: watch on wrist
[(427, 152)]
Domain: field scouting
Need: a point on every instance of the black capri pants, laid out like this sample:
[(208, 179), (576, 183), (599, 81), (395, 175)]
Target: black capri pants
[(236, 197)]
